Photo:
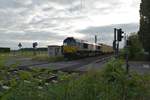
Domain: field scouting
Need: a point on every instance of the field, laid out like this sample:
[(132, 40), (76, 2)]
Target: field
[(27, 53), (110, 83), (40, 56)]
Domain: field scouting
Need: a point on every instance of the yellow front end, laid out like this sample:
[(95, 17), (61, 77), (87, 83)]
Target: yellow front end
[(70, 49)]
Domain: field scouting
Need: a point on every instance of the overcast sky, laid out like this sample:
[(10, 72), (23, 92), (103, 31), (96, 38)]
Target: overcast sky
[(50, 21)]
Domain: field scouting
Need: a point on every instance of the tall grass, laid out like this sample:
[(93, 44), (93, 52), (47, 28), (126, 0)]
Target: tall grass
[(3, 58), (111, 83)]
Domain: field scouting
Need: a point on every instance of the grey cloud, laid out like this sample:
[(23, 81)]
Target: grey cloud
[(18, 19), (47, 36), (14, 3), (135, 3), (26, 20), (28, 37), (112, 2), (65, 2), (105, 33), (131, 27), (9, 3)]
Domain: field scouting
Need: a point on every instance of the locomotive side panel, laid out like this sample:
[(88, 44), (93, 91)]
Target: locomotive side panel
[(106, 49)]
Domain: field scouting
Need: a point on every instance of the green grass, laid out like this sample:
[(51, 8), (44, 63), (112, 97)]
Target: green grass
[(111, 83), (40, 56), (28, 53), (24, 53), (3, 58)]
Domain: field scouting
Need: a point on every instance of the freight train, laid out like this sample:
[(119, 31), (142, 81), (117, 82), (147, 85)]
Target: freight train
[(74, 47)]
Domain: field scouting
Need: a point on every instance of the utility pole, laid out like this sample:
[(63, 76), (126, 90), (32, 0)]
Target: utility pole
[(117, 49), (95, 39), (126, 54), (114, 42)]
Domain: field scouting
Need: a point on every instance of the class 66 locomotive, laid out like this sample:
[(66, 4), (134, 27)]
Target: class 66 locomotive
[(79, 48)]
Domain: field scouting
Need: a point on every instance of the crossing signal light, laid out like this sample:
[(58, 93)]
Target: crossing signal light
[(120, 34)]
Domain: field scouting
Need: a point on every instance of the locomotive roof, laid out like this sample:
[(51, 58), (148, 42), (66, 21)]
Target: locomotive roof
[(82, 41), (77, 40)]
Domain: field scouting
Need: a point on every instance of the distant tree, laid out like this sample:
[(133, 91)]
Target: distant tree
[(144, 32)]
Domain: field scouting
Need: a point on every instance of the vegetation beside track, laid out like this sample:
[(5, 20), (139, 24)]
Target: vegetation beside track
[(135, 49), (111, 83)]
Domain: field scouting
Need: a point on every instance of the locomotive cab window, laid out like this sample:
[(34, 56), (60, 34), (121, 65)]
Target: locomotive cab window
[(85, 45), (98, 47), (69, 42)]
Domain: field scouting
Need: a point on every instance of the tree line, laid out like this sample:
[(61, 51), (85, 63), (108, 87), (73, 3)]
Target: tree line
[(144, 32)]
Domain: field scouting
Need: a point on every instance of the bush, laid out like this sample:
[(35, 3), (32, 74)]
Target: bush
[(135, 49)]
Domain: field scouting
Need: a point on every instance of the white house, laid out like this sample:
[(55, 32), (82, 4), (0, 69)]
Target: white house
[(54, 50)]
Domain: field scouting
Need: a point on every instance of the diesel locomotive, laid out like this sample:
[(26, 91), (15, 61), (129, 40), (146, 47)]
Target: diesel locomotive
[(74, 47)]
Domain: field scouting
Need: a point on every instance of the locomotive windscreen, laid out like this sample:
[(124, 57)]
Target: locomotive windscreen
[(69, 41)]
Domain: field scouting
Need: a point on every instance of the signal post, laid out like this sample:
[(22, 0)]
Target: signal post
[(118, 35)]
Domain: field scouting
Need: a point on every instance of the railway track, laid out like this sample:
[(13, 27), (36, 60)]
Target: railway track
[(68, 66), (82, 64)]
